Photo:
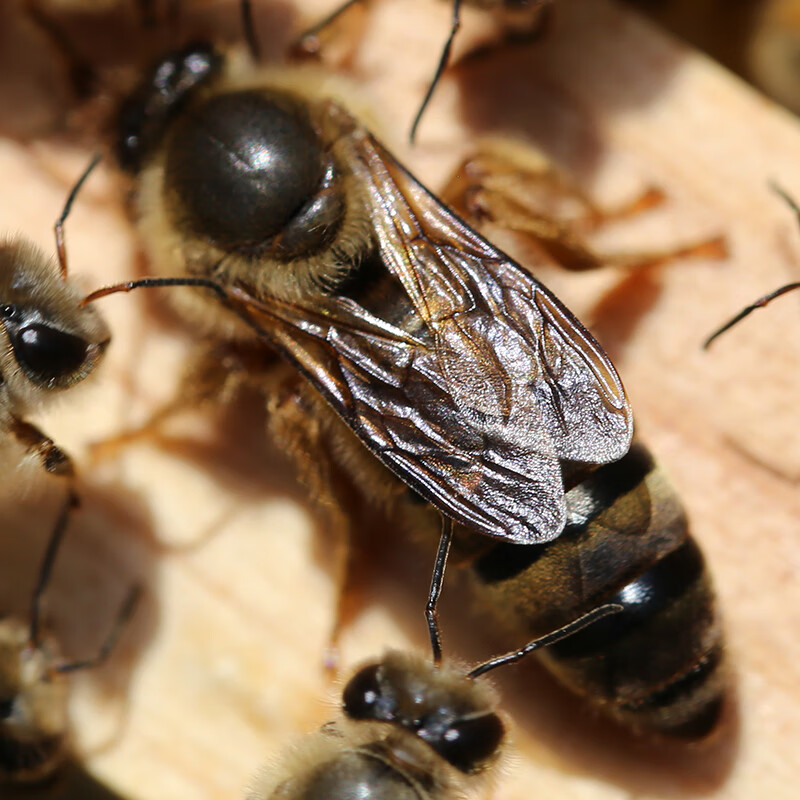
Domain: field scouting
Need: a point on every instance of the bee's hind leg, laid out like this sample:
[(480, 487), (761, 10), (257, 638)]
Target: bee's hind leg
[(514, 186), (213, 377), (325, 455)]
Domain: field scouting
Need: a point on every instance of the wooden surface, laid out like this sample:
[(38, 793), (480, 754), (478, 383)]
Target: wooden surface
[(223, 666)]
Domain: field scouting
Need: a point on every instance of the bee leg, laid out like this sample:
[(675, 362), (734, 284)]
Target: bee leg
[(529, 23), (437, 581), (52, 458), (46, 568), (310, 42), (213, 377), (124, 614), (309, 436), (517, 188)]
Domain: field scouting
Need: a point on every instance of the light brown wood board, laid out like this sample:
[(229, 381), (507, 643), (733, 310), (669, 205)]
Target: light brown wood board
[(223, 665)]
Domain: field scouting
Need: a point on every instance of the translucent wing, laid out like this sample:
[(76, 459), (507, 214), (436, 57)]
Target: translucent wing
[(475, 414)]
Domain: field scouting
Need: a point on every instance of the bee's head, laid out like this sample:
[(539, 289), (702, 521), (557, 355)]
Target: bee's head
[(48, 341), (445, 709)]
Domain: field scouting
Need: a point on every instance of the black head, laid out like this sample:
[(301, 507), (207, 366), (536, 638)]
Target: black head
[(48, 341), (49, 357), (447, 711), (158, 98)]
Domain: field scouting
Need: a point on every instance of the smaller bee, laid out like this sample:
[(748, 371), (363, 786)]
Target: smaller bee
[(410, 731), (33, 687), (520, 19), (48, 343)]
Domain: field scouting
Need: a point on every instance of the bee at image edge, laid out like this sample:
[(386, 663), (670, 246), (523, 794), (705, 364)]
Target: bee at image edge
[(49, 342), (409, 730), (34, 722)]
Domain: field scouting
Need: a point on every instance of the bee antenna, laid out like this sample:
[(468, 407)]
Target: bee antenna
[(46, 568), (786, 197), (767, 298), (455, 24), (61, 247), (548, 639), (234, 299), (760, 303), (249, 29), (126, 610), (154, 283)]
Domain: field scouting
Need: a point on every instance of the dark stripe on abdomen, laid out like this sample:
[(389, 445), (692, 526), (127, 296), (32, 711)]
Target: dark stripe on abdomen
[(643, 599), (599, 492)]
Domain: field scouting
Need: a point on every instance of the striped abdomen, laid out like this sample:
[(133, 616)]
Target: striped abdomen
[(658, 665)]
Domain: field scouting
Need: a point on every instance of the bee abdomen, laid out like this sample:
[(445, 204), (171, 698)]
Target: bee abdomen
[(655, 667), (658, 666)]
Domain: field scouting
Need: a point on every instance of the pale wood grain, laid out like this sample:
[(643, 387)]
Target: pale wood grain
[(224, 664)]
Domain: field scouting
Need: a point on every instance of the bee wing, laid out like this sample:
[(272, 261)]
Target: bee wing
[(476, 414)]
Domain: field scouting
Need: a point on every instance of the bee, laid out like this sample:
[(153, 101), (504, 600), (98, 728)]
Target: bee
[(33, 680), (520, 19), (458, 370), (49, 342), (514, 186), (409, 730)]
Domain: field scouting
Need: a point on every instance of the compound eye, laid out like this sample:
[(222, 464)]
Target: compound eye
[(362, 695), (49, 354), (6, 708), (243, 165), (470, 743)]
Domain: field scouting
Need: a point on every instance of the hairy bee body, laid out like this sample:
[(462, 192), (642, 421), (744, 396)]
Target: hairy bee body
[(401, 327)]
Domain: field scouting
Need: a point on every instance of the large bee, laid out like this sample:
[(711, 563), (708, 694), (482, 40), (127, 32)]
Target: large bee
[(409, 731), (459, 371), (360, 316), (33, 680), (49, 342)]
